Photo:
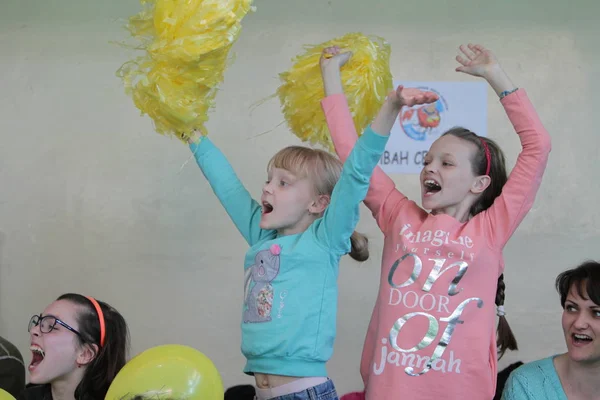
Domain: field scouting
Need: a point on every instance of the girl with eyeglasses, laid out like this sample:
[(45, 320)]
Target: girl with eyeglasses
[(78, 346)]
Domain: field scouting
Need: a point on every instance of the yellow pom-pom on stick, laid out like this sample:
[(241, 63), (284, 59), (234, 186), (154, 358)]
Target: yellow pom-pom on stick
[(367, 79), (187, 45)]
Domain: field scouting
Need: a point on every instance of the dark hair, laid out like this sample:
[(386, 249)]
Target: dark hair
[(240, 392), (585, 277), (505, 337), (111, 357)]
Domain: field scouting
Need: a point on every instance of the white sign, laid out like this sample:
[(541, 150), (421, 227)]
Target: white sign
[(460, 104)]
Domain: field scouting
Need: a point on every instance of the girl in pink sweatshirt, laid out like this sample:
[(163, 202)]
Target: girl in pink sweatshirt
[(431, 334)]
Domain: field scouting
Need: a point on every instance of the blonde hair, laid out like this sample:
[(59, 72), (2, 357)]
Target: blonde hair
[(323, 170)]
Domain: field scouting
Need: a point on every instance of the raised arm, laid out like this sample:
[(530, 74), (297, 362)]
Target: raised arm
[(383, 199), (342, 214), (518, 194), (243, 210)]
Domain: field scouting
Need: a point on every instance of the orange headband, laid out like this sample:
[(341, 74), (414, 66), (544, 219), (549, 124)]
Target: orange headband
[(100, 317)]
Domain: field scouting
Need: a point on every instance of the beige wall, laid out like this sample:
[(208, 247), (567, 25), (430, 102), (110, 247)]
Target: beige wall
[(93, 201)]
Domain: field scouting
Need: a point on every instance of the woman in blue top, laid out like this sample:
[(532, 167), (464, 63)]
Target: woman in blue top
[(576, 374), (297, 234)]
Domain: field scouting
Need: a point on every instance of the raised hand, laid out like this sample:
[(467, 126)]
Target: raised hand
[(334, 57), (479, 61), (411, 97), (384, 121), (476, 60), (194, 137)]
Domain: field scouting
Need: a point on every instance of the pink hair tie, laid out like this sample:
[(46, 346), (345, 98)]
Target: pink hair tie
[(488, 156)]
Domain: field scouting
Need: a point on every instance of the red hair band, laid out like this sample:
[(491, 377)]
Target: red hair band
[(100, 317), (488, 156)]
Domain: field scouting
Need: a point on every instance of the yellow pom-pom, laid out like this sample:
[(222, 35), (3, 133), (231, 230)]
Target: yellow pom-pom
[(366, 77), (186, 45)]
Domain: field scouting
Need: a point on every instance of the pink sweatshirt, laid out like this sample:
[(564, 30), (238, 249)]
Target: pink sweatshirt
[(432, 331)]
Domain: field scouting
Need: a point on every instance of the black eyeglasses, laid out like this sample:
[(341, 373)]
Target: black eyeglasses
[(47, 324)]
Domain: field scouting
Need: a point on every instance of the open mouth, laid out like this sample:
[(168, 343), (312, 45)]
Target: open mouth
[(431, 186), (580, 339), (266, 207), (37, 356)]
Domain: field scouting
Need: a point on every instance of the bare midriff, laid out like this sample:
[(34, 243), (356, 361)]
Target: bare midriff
[(265, 381)]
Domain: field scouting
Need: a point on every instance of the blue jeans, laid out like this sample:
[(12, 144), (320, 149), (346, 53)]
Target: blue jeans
[(324, 391)]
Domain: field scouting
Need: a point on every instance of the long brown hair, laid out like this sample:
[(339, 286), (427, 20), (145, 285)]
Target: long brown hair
[(324, 170), (505, 338), (111, 357)]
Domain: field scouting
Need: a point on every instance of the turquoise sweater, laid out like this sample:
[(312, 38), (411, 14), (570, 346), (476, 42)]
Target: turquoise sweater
[(537, 380), (290, 299)]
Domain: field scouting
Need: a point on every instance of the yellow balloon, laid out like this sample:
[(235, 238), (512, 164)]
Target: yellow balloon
[(4, 395), (168, 372)]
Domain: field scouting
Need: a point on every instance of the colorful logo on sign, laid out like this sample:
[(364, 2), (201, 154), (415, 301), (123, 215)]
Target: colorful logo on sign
[(422, 122)]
